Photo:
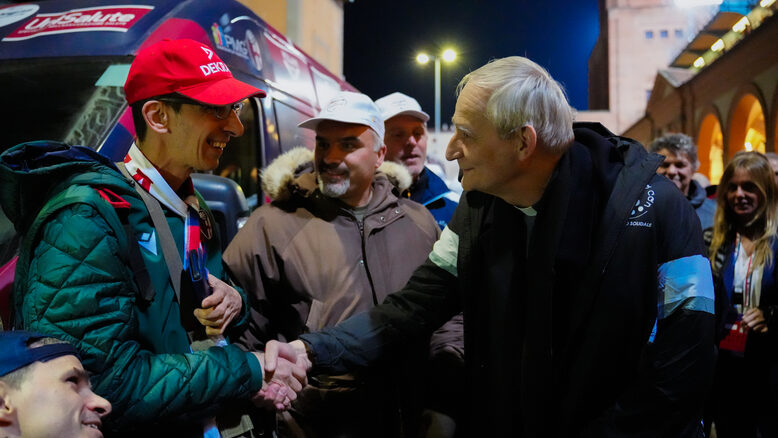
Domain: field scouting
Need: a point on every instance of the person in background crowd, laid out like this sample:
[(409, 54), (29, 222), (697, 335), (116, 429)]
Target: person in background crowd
[(128, 268), (679, 165), (565, 251), (743, 245), (335, 241), (406, 143), (45, 391)]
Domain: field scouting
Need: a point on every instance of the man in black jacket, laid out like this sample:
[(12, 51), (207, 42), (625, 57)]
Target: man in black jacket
[(588, 306)]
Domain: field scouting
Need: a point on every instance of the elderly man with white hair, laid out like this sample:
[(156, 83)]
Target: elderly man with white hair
[(588, 303)]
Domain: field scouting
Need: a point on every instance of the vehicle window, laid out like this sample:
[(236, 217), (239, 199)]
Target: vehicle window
[(59, 100), (240, 161), (289, 135)]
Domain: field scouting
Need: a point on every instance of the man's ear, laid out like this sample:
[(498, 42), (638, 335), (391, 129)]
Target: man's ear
[(7, 411), (527, 139), (381, 152), (155, 114)]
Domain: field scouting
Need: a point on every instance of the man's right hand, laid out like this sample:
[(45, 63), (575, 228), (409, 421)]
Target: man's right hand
[(284, 374)]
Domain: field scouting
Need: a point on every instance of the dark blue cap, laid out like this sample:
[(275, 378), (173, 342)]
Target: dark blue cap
[(15, 352)]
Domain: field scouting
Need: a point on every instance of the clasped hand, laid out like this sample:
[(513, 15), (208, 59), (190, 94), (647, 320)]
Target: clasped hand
[(285, 367)]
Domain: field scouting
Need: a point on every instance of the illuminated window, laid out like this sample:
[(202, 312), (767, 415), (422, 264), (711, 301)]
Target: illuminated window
[(649, 34), (710, 148), (747, 129)]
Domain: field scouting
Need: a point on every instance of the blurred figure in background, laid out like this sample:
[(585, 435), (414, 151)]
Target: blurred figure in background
[(406, 143), (680, 163), (743, 243)]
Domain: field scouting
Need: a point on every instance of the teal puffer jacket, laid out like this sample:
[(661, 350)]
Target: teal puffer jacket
[(74, 281)]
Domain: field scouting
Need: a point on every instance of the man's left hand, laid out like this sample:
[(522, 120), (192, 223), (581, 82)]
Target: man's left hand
[(220, 308)]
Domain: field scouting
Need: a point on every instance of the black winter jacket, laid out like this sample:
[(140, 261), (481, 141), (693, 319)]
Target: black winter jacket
[(559, 335)]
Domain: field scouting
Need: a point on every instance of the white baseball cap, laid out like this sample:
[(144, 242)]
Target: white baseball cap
[(397, 104), (348, 107)]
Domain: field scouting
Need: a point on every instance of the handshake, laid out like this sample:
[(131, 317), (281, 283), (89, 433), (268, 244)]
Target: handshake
[(285, 367)]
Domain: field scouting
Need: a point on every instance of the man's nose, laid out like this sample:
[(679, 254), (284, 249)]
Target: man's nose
[(332, 155), (98, 404), (234, 127), (453, 150)]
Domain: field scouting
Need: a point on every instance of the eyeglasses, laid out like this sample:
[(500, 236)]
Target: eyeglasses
[(221, 112)]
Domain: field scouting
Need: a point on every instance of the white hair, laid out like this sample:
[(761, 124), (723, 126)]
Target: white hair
[(524, 94)]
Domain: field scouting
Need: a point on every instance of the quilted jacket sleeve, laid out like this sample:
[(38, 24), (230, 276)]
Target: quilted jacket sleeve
[(79, 289)]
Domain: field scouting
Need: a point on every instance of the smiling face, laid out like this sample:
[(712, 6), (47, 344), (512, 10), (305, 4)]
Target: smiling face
[(677, 168), (489, 163), (198, 138), (56, 400), (345, 161), (406, 142), (743, 195)]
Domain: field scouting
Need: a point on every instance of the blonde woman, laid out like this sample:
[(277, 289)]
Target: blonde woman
[(743, 244)]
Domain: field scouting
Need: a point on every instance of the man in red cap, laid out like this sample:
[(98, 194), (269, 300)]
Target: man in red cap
[(128, 267)]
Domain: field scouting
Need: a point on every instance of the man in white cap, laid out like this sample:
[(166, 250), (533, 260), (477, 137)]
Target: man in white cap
[(406, 143), (335, 241)]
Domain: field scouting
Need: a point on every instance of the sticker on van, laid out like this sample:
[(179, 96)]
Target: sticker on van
[(12, 14), (104, 18)]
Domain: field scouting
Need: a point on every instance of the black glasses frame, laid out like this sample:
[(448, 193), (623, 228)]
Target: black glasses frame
[(221, 112)]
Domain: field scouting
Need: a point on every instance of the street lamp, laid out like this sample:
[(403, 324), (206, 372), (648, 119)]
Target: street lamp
[(448, 55)]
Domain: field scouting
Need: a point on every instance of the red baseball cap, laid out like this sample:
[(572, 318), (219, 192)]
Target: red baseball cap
[(187, 67)]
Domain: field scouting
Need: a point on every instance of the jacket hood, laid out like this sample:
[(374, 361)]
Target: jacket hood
[(696, 194), (606, 147), (30, 172), (292, 172)]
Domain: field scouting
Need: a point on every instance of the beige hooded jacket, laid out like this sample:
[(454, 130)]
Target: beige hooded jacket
[(305, 261)]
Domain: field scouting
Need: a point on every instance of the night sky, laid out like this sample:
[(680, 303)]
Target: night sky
[(381, 40)]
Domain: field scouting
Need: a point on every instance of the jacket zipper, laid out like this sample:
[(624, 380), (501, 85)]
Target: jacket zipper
[(361, 226)]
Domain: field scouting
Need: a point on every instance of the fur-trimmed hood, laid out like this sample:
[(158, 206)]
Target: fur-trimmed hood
[(293, 172)]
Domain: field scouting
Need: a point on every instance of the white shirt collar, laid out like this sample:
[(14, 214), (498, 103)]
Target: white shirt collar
[(528, 211), (152, 181)]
